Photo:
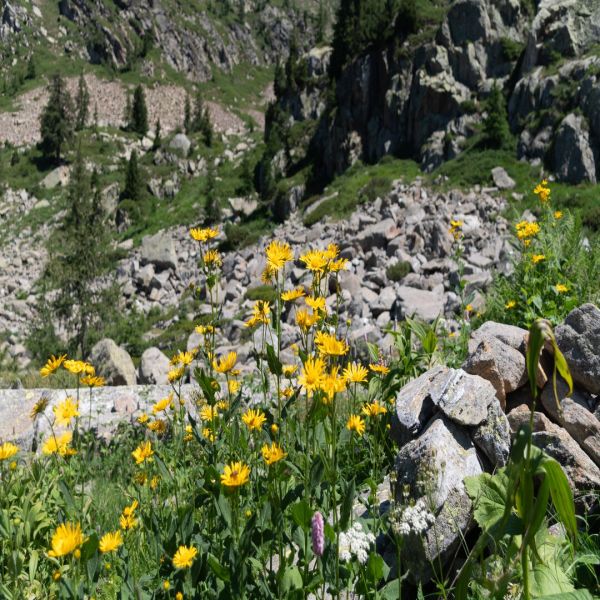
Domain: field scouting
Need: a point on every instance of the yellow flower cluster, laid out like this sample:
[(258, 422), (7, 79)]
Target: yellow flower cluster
[(128, 520), (143, 452), (204, 235), (67, 539), (456, 229), (261, 313), (60, 445), (527, 230), (542, 191)]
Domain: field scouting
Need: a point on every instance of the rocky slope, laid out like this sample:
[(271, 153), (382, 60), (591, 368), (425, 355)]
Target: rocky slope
[(425, 99)]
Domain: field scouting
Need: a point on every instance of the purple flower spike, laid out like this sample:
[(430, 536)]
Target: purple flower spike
[(318, 534)]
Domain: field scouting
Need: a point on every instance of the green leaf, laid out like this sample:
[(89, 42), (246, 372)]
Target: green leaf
[(575, 595), (292, 579), (376, 568), (534, 347), (316, 473), (347, 505), (302, 514), (164, 472), (489, 493), (562, 496), (218, 569), (33, 564), (225, 509), (66, 494), (274, 363)]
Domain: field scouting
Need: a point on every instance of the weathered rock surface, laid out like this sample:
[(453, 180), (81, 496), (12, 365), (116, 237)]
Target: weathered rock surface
[(154, 366), (113, 363)]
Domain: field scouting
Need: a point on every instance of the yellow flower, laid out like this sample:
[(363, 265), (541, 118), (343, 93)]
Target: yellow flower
[(561, 288), (225, 363), (178, 596), (79, 366), (175, 374), (329, 345), (163, 405), (289, 370), (315, 260), (212, 258), (313, 373), (536, 258), (469, 308), (293, 294), (510, 304), (66, 539), (142, 452), (338, 265), (203, 235), (65, 411), (92, 381), (209, 413), (379, 369), (274, 428), (332, 251), (355, 373), (52, 364), (235, 474), (254, 419), (143, 418), (558, 214), (356, 423), (278, 254), (159, 426), (154, 482), (317, 304), (209, 434), (261, 313), (204, 329), (304, 320), (527, 229), (127, 519), (456, 229), (287, 392), (56, 575), (332, 384), (166, 584), (109, 542), (8, 450), (39, 407), (272, 453), (233, 385), (59, 444), (373, 409), (542, 191), (184, 557)]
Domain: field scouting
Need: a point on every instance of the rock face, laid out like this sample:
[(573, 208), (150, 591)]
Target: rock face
[(574, 160), (159, 251), (113, 363), (579, 340), (154, 366)]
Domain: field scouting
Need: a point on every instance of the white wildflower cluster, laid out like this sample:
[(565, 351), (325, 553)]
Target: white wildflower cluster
[(412, 519), (355, 542)]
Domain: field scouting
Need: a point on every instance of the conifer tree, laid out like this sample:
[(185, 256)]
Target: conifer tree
[(197, 122), (212, 208), (207, 129), (157, 136), (496, 133), (187, 115), (139, 112), (134, 187), (82, 104), (79, 254), (31, 70), (56, 120)]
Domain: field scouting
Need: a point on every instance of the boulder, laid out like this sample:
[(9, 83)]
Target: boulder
[(154, 366), (423, 304), (573, 158), (57, 177), (181, 143), (113, 363), (579, 340), (158, 250), (492, 437), (502, 180)]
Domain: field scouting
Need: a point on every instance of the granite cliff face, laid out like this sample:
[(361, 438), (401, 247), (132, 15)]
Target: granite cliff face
[(424, 100)]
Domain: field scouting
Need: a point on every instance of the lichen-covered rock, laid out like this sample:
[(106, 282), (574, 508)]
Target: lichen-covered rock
[(492, 437)]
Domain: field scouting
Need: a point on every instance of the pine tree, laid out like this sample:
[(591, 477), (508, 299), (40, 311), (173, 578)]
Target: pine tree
[(187, 115), (56, 120), (198, 115), (134, 187), (139, 112), (31, 71), (246, 177), (496, 133), (157, 137), (207, 129), (82, 104), (79, 253), (212, 208), (321, 23), (95, 119)]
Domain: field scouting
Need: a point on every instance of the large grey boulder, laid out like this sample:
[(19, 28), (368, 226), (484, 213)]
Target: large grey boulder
[(502, 180), (154, 366), (113, 363), (181, 143), (493, 437), (158, 250), (579, 340), (574, 159), (424, 304)]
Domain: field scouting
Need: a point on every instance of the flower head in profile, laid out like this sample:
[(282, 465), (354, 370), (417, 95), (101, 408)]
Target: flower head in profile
[(278, 253), (313, 374), (212, 258), (64, 412), (184, 557), (142, 453), (53, 363), (332, 384), (536, 258), (356, 423), (235, 475), (261, 313), (163, 405), (306, 320), (8, 450), (204, 235), (355, 373), (273, 453), (175, 375), (60, 444), (92, 381), (289, 370), (328, 345), (225, 363), (292, 295), (39, 407), (110, 542), (316, 303), (379, 368), (79, 366), (254, 419), (67, 539), (374, 409)]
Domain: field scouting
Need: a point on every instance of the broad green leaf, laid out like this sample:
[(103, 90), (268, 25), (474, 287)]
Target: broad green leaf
[(164, 472), (225, 509), (376, 568), (562, 496), (347, 504), (218, 569), (489, 493), (302, 514), (574, 595), (274, 363), (534, 347), (292, 579)]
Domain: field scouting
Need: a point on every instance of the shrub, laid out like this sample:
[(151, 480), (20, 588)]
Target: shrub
[(399, 270)]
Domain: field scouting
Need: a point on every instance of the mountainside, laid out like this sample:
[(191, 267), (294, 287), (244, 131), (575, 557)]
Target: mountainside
[(425, 96)]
